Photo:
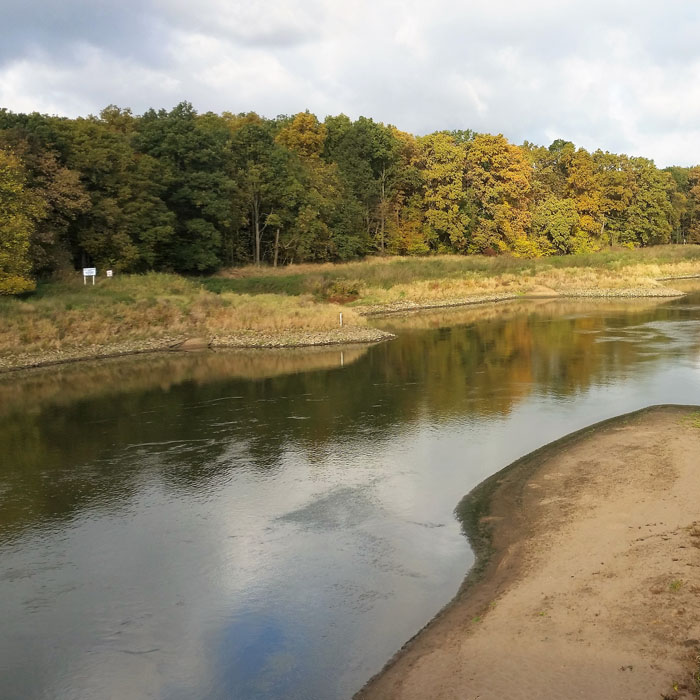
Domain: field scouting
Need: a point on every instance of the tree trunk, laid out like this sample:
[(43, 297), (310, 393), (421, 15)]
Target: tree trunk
[(256, 223), (277, 247), (382, 207)]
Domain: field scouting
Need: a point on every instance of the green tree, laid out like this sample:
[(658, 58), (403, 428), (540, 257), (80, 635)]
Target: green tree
[(615, 194), (405, 217), (41, 144), (555, 226), (693, 206), (19, 211), (127, 225), (266, 190), (194, 152), (327, 225), (550, 168), (441, 162), (583, 187), (62, 193), (649, 218), (367, 155)]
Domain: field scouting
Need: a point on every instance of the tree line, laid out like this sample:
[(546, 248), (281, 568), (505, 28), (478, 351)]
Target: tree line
[(192, 193)]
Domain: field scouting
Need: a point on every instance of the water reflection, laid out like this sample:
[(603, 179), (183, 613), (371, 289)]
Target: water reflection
[(268, 525)]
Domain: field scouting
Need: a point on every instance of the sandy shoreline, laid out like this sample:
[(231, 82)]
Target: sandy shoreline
[(299, 339), (588, 581)]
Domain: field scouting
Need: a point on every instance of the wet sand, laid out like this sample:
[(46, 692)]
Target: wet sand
[(587, 583)]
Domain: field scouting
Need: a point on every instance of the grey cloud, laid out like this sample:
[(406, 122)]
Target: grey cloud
[(272, 25), (126, 29)]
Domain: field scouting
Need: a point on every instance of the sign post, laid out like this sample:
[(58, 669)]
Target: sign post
[(89, 272)]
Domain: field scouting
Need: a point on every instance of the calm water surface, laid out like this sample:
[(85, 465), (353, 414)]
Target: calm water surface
[(276, 525)]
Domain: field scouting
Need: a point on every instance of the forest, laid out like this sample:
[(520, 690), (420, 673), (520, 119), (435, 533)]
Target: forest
[(179, 191)]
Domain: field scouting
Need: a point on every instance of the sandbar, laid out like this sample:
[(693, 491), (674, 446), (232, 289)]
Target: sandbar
[(587, 583)]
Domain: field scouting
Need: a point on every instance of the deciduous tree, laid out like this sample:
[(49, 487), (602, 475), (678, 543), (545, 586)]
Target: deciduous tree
[(19, 211)]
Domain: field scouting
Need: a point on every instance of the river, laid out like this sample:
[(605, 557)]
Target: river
[(275, 524)]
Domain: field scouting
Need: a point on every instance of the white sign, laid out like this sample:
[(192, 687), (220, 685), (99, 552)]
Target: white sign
[(89, 272), (109, 273)]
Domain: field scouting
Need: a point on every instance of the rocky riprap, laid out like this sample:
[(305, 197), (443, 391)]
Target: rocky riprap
[(242, 339)]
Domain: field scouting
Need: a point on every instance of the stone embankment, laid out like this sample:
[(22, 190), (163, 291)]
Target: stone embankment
[(243, 339), (537, 293)]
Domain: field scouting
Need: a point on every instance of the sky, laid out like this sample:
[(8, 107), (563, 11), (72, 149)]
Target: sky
[(609, 74)]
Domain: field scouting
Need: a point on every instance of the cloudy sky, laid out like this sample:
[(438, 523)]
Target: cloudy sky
[(617, 75)]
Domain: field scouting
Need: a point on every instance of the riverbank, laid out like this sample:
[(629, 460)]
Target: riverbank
[(535, 292), (145, 338), (250, 340), (302, 305), (115, 340), (588, 576), (66, 322)]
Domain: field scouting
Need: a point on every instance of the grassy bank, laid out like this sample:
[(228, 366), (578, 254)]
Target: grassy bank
[(132, 313), (300, 305), (380, 281)]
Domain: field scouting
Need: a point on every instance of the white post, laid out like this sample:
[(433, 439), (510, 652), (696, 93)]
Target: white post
[(89, 272), (341, 318), (342, 359)]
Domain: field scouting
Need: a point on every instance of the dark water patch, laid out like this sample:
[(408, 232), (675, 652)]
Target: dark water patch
[(344, 508)]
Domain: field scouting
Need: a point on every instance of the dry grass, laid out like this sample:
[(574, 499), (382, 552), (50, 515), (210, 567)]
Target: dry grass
[(556, 280), (387, 280), (134, 308), (392, 270)]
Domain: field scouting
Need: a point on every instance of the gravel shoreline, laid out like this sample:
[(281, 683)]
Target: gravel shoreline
[(299, 339), (245, 339), (610, 293)]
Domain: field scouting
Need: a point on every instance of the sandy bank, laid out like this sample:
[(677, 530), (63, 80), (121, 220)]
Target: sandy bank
[(588, 584)]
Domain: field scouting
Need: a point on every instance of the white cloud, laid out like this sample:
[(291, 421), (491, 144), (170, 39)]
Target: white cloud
[(599, 73)]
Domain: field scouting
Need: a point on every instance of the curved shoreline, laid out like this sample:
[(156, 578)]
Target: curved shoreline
[(503, 522), (242, 341), (613, 293), (299, 339)]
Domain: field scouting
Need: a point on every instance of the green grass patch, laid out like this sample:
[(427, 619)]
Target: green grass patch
[(290, 285), (693, 419), (384, 273)]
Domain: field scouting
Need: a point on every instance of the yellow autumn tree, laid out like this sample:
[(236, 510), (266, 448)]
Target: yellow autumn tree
[(405, 205), (19, 211), (583, 187), (440, 160), (304, 135), (498, 178), (693, 206)]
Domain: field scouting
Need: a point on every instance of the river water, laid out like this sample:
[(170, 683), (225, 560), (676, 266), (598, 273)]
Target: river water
[(277, 524)]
